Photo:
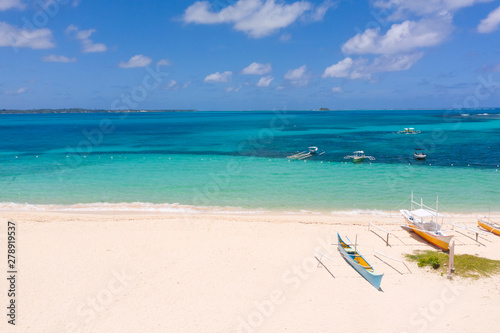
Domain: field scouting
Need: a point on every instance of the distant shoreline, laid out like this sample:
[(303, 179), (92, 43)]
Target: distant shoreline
[(80, 110), (48, 111)]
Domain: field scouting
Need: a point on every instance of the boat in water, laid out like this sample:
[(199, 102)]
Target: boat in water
[(311, 151), (359, 156), (419, 154), (359, 263), (409, 130), (424, 222), (489, 225)]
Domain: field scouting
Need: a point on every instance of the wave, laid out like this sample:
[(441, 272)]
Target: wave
[(190, 209)]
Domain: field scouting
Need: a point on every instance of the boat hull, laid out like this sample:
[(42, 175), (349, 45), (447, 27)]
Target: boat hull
[(443, 242), (374, 279), (487, 226), (358, 160)]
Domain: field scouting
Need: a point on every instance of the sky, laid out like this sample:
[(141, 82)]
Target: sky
[(249, 54)]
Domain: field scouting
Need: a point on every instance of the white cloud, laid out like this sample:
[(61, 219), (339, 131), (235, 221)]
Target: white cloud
[(361, 68), (337, 90), (83, 36), (257, 69), (9, 4), (172, 84), (403, 37), (424, 7), (219, 77), (340, 69), (234, 89), (136, 61), (163, 62), (16, 37), (265, 81), (17, 92), (490, 23), (257, 18), (58, 58), (297, 76)]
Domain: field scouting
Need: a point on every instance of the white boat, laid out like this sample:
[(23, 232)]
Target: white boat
[(313, 150), (424, 222), (419, 154), (410, 130), (359, 156), (305, 154)]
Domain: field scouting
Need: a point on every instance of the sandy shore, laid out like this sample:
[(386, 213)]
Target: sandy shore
[(109, 272)]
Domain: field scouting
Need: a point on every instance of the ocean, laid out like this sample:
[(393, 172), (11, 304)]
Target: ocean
[(236, 161)]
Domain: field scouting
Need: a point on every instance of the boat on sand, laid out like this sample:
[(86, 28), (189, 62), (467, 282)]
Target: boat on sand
[(359, 263)]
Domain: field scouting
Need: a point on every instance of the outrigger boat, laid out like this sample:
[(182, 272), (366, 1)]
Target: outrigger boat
[(489, 225), (359, 156), (410, 130), (305, 154), (359, 263), (429, 230), (419, 154)]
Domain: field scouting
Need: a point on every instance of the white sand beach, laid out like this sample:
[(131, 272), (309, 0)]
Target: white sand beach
[(112, 272)]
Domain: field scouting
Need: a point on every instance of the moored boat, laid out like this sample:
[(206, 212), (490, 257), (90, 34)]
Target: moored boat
[(359, 156), (359, 263), (313, 150), (429, 230), (492, 227), (419, 154), (410, 130)]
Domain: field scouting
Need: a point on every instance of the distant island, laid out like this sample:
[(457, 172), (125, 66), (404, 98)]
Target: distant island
[(79, 110), (324, 109)]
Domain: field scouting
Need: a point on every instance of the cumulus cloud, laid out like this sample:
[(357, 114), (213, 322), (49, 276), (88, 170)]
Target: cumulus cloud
[(490, 23), (136, 61), (9, 4), (265, 81), (424, 7), (256, 18), (340, 69), (257, 69), (219, 77), (403, 37), (83, 36), (297, 76), (16, 37), (58, 58), (362, 68)]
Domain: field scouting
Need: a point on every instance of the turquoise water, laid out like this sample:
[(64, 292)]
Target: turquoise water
[(153, 161)]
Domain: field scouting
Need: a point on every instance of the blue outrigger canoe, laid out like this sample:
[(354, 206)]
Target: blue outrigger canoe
[(356, 260)]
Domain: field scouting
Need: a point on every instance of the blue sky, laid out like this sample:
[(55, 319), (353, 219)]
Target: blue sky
[(249, 54)]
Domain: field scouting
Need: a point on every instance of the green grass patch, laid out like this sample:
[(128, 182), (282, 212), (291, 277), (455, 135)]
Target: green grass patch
[(466, 265)]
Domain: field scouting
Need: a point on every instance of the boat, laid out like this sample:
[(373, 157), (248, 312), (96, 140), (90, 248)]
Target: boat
[(359, 263), (428, 229), (489, 225), (419, 154), (313, 150), (409, 130), (305, 154), (359, 156)]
